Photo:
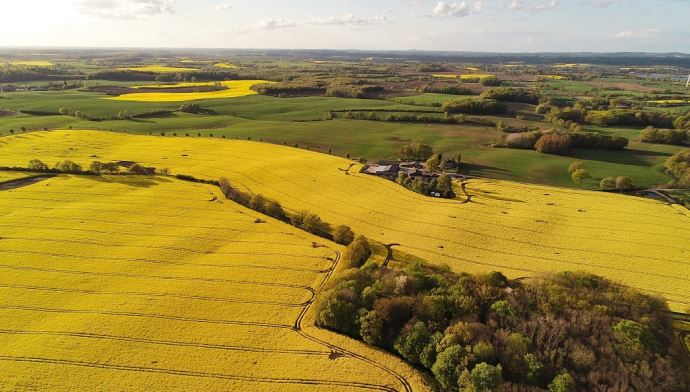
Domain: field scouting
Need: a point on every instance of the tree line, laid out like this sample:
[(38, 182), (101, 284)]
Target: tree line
[(301, 219)]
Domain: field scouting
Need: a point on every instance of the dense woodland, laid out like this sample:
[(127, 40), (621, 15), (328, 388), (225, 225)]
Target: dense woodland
[(563, 333)]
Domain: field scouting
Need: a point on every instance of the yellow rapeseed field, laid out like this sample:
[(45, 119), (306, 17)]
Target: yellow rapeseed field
[(159, 69), (520, 229), (463, 76), (569, 65), (669, 102), (149, 283), (177, 85), (33, 63), (225, 65), (232, 89)]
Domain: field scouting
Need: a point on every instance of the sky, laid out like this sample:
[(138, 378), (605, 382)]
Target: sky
[(470, 25)]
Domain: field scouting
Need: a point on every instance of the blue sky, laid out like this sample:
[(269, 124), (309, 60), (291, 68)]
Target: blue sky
[(470, 25)]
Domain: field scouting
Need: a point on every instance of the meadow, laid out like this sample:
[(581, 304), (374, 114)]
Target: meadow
[(103, 289), (522, 230), (306, 121)]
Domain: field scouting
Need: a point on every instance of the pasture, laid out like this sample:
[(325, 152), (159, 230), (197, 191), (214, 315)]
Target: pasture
[(519, 229), (103, 288)]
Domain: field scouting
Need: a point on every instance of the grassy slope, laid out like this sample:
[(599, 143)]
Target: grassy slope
[(519, 229)]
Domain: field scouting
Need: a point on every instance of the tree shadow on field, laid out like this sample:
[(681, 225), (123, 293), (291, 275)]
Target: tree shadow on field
[(135, 181), (475, 169), (623, 157)]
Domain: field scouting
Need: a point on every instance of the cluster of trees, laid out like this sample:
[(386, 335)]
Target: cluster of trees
[(578, 171), (138, 76), (292, 88), (678, 165), (512, 94), (475, 106), (96, 167), (502, 127), (193, 108), (566, 332), (619, 183), (443, 185), (442, 118), (121, 115), (451, 89), (346, 88), (624, 117), (665, 136), (415, 152), (302, 219), (30, 74), (562, 142)]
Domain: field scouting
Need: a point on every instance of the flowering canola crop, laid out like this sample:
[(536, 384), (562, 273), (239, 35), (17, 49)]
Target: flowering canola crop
[(519, 229)]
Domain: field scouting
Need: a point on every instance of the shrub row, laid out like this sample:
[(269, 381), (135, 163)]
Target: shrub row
[(665, 136), (512, 94), (302, 219), (475, 106)]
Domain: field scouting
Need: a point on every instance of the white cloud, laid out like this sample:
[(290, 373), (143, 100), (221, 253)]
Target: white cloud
[(636, 34), (535, 6), (275, 24), (348, 20), (479, 6), (125, 9), (221, 7), (455, 9)]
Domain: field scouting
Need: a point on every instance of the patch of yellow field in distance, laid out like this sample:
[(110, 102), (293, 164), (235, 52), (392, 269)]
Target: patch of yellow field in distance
[(150, 283), (569, 65), (520, 229), (178, 85), (32, 63), (463, 76), (554, 77), (159, 69), (233, 89), (669, 102), (472, 69), (225, 65)]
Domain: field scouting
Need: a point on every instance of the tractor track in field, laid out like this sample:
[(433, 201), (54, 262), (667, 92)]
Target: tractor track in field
[(682, 334), (162, 277), (340, 350), (153, 295), (145, 315), (188, 373), (89, 335), (163, 247), (389, 253), (165, 262)]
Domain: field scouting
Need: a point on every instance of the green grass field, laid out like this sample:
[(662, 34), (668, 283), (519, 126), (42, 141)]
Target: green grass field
[(306, 121)]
